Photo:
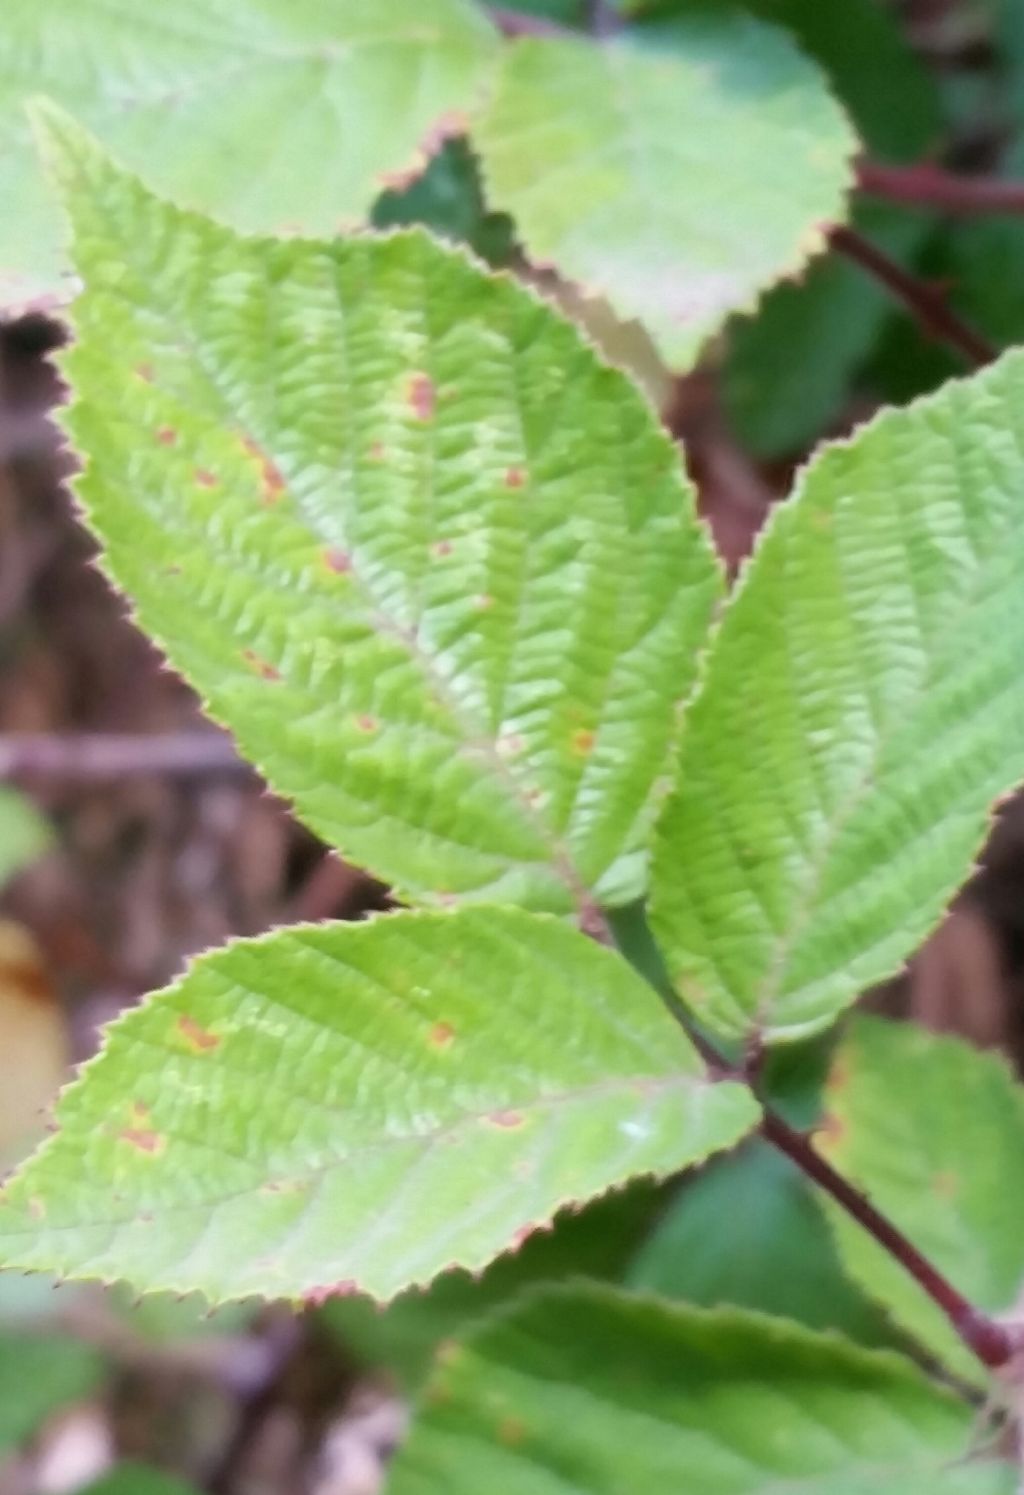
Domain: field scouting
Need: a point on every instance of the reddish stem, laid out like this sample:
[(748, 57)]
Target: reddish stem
[(932, 187), (924, 301), (985, 1337)]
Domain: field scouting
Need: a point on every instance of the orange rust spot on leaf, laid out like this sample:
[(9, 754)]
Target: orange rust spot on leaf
[(199, 1039), (508, 1120), (271, 478), (583, 742), (205, 478), (421, 394), (515, 477), (442, 1035), (167, 436), (829, 1133), (338, 561), (946, 1185), (511, 1432), (143, 1140), (263, 669)]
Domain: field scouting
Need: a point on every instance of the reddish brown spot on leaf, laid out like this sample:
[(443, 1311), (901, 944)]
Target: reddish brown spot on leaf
[(511, 1432), (377, 453), (143, 1140), (946, 1185), (508, 1120), (442, 548), (829, 1132), (338, 561), (583, 742), (422, 396), (173, 569), (167, 436), (205, 478), (262, 668), (367, 723), (515, 477), (442, 1035), (198, 1039), (144, 371)]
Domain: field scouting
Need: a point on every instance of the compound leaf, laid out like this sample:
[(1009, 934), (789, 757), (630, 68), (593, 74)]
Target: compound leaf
[(861, 712), (934, 1131), (676, 171), (274, 114), (343, 1107), (596, 1392), (432, 561)]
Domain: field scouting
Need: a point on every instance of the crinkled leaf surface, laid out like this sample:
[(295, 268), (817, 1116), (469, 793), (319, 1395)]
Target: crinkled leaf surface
[(862, 710), (274, 114), (432, 561), (677, 172), (359, 1106), (591, 1392), (934, 1131)]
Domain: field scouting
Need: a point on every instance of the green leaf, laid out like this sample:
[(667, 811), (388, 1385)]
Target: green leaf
[(274, 114), (24, 834), (789, 368), (861, 711), (39, 1375), (434, 563), (934, 1131), (346, 1107), (677, 171), (596, 1241), (598, 1393), (781, 1259), (137, 1479)]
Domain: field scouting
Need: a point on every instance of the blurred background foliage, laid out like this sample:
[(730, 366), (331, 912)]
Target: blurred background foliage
[(130, 836)]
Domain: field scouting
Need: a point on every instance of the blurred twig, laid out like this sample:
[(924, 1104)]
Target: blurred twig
[(952, 192), (91, 757), (925, 302)]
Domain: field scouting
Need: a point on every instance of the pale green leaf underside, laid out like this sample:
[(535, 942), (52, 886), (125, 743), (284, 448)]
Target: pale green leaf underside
[(934, 1131), (275, 115), (863, 708), (587, 1391), (677, 176), (433, 562), (344, 1106)]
